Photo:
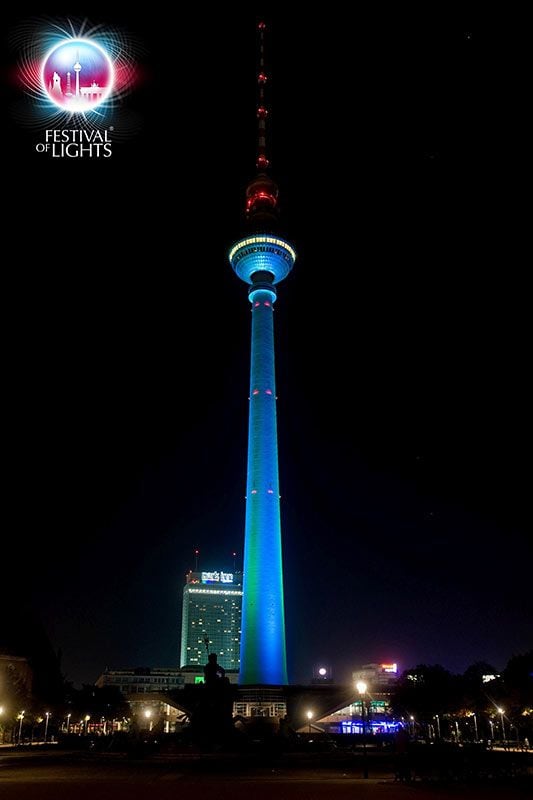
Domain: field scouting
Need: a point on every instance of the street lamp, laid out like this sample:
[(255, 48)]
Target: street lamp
[(68, 721), (412, 720), (309, 716), (21, 717), (475, 726), (438, 725), (361, 687), (87, 718), (148, 714), (47, 715), (501, 712)]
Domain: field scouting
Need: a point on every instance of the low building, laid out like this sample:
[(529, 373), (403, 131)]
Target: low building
[(143, 680)]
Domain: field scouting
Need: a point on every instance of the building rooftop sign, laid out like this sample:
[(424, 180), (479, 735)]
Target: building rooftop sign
[(217, 577)]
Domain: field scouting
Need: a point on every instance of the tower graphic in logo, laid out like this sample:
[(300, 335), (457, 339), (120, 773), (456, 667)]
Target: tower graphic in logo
[(77, 75)]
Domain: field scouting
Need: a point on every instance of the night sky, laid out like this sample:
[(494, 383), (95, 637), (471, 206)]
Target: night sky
[(399, 145)]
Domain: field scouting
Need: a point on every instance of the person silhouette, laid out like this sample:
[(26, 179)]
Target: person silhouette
[(213, 671)]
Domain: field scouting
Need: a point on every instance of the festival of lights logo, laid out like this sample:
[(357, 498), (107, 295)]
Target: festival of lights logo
[(78, 75), (74, 77)]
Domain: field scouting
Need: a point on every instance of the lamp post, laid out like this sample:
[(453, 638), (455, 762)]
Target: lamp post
[(475, 727), (501, 712), (361, 687), (21, 717), (309, 716), (68, 721), (438, 725), (47, 715), (87, 718), (148, 714)]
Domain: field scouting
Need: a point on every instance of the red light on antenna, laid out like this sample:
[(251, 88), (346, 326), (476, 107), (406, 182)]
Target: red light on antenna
[(262, 112), (262, 78), (261, 26), (265, 196), (262, 162)]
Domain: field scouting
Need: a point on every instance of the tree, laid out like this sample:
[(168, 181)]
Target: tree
[(425, 691), (518, 682)]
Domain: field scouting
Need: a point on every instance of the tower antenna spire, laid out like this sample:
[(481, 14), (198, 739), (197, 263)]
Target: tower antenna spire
[(262, 191), (262, 162)]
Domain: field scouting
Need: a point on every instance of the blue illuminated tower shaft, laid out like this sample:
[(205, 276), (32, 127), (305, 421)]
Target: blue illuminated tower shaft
[(262, 260), (263, 655)]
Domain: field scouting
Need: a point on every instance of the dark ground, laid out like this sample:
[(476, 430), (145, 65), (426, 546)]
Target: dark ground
[(64, 777)]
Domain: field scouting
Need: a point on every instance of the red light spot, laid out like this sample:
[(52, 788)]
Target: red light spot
[(262, 78), (262, 112), (268, 391), (266, 303), (256, 304), (262, 162), (254, 491), (261, 26), (255, 391)]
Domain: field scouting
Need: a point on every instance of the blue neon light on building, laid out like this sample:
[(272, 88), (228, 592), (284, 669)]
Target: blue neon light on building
[(262, 260)]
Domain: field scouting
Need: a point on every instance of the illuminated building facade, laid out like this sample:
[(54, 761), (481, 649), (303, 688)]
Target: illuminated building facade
[(262, 259), (211, 619), (379, 677), (378, 717)]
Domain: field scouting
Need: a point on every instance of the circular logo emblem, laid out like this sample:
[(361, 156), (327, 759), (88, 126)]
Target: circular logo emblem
[(77, 75)]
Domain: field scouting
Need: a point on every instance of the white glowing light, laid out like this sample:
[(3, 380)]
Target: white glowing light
[(81, 105), (262, 240)]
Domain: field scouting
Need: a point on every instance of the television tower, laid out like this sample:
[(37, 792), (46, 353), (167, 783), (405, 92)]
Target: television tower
[(262, 259), (77, 69)]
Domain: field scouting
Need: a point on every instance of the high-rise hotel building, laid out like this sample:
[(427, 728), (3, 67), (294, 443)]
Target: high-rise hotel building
[(211, 619)]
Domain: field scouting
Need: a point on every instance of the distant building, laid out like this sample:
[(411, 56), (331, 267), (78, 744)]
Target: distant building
[(18, 672), (142, 680), (378, 677), (211, 620)]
